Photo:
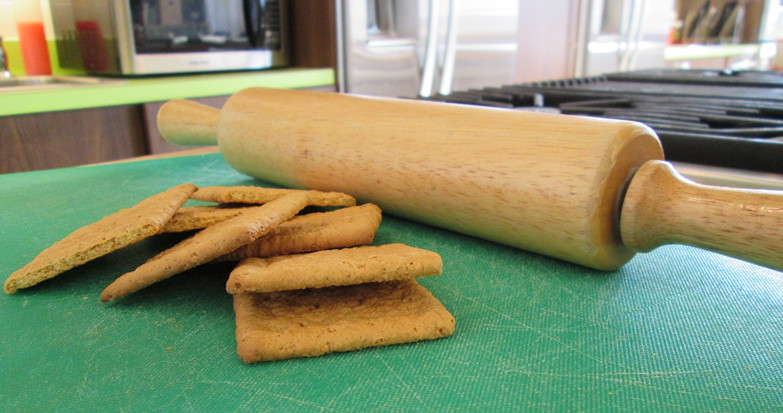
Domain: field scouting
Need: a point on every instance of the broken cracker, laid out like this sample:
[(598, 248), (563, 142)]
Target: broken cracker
[(344, 227), (308, 323), (332, 268), (200, 217), (208, 244), (111, 233), (259, 195)]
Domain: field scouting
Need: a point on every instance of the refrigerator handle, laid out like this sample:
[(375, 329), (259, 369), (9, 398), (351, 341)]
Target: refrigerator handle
[(581, 50), (431, 51), (629, 38), (342, 54), (382, 26), (625, 29), (447, 72), (637, 33)]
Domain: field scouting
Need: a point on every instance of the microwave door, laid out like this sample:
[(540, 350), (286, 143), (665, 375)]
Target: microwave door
[(208, 35), (261, 23), (182, 26), (207, 25), (221, 26), (145, 37)]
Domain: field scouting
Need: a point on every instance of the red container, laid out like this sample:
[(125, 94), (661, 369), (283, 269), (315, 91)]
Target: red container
[(35, 52)]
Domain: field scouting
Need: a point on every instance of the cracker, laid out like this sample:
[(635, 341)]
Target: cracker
[(208, 244), (332, 268), (308, 323), (199, 217), (259, 195), (111, 233), (344, 227)]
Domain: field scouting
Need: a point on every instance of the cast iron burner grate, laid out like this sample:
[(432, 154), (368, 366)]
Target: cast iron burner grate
[(716, 118)]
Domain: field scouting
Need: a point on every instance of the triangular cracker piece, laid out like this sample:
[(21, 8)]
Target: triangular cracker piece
[(344, 227), (208, 244), (111, 233), (307, 323), (332, 268), (259, 195)]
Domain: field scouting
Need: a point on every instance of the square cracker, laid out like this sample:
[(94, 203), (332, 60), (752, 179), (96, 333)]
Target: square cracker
[(208, 244), (111, 233), (307, 323), (333, 268), (344, 227), (260, 195)]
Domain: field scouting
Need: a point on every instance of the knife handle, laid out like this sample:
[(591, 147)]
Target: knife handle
[(662, 207), (187, 123)]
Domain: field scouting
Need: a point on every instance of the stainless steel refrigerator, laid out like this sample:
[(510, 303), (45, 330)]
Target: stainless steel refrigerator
[(408, 48), (622, 35)]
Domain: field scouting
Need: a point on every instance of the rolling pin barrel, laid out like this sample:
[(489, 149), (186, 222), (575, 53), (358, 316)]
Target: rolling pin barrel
[(551, 184)]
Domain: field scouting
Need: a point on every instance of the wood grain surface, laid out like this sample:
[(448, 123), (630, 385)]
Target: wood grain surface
[(544, 183), (69, 138)]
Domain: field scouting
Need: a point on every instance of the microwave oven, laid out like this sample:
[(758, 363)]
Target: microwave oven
[(148, 37)]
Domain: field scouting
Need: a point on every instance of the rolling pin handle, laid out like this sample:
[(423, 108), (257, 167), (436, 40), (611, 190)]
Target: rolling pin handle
[(187, 123), (662, 207)]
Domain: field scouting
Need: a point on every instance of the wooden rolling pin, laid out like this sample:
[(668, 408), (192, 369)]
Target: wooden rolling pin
[(585, 190)]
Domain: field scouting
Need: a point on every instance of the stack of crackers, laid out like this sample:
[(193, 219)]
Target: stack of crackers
[(306, 284)]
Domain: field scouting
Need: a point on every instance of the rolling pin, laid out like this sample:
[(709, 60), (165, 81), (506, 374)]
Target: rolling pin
[(585, 190)]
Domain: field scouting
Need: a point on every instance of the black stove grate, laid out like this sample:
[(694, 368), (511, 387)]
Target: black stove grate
[(727, 119)]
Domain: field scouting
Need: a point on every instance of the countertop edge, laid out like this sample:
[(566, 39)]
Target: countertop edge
[(138, 91)]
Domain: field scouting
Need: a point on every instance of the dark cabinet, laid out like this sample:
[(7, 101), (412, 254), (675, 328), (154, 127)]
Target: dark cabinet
[(68, 138)]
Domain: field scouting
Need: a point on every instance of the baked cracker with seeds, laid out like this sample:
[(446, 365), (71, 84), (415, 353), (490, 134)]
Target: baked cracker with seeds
[(329, 268), (344, 227), (307, 323), (111, 233), (259, 195), (208, 244)]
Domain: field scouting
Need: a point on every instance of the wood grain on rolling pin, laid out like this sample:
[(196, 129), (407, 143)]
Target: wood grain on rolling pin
[(552, 184), (545, 183)]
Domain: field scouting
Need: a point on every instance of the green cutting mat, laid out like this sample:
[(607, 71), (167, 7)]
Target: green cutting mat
[(677, 329)]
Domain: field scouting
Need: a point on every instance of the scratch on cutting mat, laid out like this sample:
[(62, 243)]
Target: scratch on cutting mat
[(252, 400), (649, 373), (402, 381), (125, 182), (685, 392), (608, 375), (537, 331), (660, 303), (344, 393), (767, 388)]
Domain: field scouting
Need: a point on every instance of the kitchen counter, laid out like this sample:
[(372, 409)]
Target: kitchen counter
[(675, 329), (63, 125), (128, 91)]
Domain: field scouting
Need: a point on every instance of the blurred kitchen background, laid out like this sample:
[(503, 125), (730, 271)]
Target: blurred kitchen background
[(423, 47), (410, 47), (609, 58)]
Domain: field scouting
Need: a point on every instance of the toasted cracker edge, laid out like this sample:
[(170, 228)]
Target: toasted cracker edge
[(208, 244), (337, 267), (308, 323), (101, 237)]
